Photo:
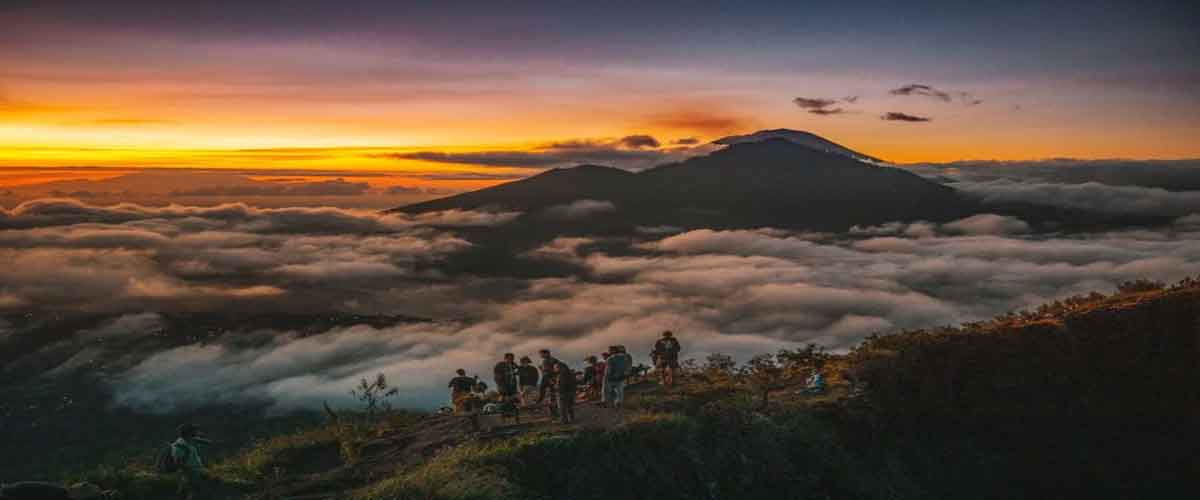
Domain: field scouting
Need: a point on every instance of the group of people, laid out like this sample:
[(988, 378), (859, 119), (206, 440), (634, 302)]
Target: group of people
[(556, 385)]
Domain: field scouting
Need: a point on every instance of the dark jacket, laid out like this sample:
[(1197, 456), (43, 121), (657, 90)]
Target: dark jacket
[(505, 374), (565, 381), (548, 377), (667, 348), (589, 375), (461, 384), (528, 375)]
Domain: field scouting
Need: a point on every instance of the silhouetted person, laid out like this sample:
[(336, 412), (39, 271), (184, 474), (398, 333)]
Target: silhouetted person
[(527, 378), (565, 385), (460, 391), (548, 380), (591, 382), (194, 483), (666, 357), (505, 376), (32, 490), (619, 365)]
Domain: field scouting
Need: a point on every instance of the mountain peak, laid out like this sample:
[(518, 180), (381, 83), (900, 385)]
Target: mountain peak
[(806, 139)]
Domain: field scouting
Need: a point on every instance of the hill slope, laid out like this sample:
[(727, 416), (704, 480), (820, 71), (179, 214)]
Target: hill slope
[(1090, 397)]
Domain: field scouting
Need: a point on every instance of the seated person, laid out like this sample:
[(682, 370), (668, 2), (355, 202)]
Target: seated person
[(815, 383)]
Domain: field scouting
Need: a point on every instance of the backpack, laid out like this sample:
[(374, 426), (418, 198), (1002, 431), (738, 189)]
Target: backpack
[(165, 463)]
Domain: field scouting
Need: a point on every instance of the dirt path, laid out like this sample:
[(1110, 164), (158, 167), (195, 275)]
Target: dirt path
[(409, 447)]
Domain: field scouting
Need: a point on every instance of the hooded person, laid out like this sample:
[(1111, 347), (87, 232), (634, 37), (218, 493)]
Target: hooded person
[(194, 483)]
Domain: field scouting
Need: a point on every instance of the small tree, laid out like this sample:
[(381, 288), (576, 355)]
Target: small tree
[(799, 363), (719, 368), (373, 396), (763, 374)]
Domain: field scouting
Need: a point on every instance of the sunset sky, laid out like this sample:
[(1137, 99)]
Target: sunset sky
[(382, 85)]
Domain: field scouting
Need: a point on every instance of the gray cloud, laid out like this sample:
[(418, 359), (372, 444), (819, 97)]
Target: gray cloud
[(1091, 196), (918, 89), (639, 141), (896, 116), (921, 90), (579, 209), (818, 106)]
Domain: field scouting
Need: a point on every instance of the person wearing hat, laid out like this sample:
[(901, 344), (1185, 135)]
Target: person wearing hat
[(186, 451), (31, 490)]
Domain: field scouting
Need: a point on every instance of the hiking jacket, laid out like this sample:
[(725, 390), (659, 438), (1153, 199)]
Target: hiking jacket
[(461, 384), (589, 375), (187, 453), (618, 366), (565, 383), (601, 366), (528, 375), (505, 373), (667, 348)]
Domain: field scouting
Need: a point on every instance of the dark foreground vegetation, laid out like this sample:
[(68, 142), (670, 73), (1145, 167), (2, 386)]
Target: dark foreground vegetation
[(1091, 397)]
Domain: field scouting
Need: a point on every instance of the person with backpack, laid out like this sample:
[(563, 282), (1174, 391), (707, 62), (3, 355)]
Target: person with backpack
[(615, 373), (565, 385), (33, 490), (666, 357), (527, 379), (505, 376), (591, 383), (460, 391), (185, 455)]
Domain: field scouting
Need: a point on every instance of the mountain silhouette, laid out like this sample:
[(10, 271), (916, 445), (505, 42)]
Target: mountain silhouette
[(809, 139), (775, 178)]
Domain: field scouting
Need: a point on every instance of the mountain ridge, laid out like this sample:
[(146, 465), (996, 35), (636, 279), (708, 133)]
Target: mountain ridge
[(771, 181)]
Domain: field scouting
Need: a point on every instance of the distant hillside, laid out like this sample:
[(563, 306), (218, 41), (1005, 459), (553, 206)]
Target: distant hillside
[(772, 181), (1089, 397)]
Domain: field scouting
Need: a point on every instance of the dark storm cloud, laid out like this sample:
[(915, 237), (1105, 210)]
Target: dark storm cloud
[(639, 141), (896, 116), (335, 187)]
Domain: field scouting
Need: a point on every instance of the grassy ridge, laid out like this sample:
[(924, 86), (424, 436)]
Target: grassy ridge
[(1092, 397)]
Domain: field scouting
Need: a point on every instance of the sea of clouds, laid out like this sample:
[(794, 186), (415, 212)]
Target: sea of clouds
[(734, 291)]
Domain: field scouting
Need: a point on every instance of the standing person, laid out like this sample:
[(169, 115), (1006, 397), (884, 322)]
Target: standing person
[(565, 385), (601, 368), (666, 357), (548, 380), (194, 483), (460, 391), (527, 379), (505, 376), (619, 364), (591, 384)]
